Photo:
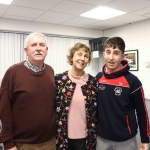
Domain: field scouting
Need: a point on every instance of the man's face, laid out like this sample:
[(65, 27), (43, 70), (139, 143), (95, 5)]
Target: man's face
[(113, 58), (37, 49)]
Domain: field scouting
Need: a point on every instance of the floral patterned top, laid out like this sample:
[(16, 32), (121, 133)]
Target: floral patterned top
[(64, 92)]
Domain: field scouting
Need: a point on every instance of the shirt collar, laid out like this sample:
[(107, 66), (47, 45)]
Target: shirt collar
[(32, 67)]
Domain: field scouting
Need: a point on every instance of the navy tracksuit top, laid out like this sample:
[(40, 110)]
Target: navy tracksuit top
[(121, 106)]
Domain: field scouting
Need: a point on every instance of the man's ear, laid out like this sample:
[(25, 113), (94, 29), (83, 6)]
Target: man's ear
[(103, 53), (123, 55), (46, 50), (26, 51)]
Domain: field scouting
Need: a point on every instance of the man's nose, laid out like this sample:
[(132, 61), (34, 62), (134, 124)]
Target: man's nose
[(38, 47), (111, 56)]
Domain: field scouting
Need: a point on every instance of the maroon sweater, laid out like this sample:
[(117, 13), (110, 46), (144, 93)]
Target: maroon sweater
[(27, 105)]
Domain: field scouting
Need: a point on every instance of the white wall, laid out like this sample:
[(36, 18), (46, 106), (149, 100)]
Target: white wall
[(101, 61), (26, 26), (137, 36)]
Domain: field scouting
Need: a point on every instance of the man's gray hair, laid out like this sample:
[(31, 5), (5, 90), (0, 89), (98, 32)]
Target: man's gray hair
[(33, 34)]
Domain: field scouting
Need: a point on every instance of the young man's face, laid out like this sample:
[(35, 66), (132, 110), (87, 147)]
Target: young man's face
[(37, 49), (113, 58)]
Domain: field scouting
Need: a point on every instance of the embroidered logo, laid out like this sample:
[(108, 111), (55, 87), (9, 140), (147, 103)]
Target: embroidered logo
[(120, 83), (101, 87), (118, 91)]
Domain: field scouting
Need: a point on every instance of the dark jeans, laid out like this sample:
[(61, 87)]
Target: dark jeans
[(76, 144)]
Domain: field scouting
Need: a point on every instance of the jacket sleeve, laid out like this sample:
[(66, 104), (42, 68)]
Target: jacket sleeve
[(99, 75), (142, 114), (6, 135)]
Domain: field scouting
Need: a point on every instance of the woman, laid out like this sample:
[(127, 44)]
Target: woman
[(76, 103)]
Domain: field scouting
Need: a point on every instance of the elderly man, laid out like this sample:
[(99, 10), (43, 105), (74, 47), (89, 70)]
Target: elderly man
[(27, 97)]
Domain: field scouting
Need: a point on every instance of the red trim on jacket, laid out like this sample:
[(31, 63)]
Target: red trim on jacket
[(147, 118), (128, 124), (120, 81)]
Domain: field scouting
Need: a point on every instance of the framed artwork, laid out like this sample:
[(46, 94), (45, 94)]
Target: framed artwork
[(132, 57)]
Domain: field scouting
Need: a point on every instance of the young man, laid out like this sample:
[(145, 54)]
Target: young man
[(27, 97), (121, 102)]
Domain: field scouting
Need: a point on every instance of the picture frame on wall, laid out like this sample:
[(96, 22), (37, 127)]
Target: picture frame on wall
[(132, 57)]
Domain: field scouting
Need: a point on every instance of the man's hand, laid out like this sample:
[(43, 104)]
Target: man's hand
[(14, 148), (143, 146)]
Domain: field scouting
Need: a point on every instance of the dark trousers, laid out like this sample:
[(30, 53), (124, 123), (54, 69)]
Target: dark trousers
[(1, 146), (76, 144)]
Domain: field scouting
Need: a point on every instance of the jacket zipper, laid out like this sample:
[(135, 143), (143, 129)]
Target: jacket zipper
[(127, 120)]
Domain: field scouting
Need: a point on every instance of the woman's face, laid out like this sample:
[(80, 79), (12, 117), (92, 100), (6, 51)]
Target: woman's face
[(80, 59)]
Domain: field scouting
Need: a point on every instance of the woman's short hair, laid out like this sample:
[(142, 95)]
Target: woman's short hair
[(33, 34), (75, 48)]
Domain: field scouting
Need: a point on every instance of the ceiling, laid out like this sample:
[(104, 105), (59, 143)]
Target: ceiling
[(66, 12)]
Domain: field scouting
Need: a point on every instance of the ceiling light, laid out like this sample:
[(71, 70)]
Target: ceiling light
[(6, 1), (102, 13)]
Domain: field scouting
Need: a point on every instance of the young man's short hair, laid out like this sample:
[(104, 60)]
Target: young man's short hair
[(115, 42)]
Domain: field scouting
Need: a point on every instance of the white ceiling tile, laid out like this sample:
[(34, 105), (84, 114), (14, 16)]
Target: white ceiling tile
[(83, 20), (40, 4), (0, 15), (24, 12), (3, 8), (128, 18), (147, 15), (17, 17), (72, 7), (129, 5), (104, 25), (97, 27), (93, 2), (54, 17), (142, 11), (72, 24)]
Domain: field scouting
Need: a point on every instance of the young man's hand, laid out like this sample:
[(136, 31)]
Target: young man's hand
[(143, 146)]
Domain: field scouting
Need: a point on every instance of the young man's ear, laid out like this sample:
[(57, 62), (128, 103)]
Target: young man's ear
[(103, 53), (123, 55)]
